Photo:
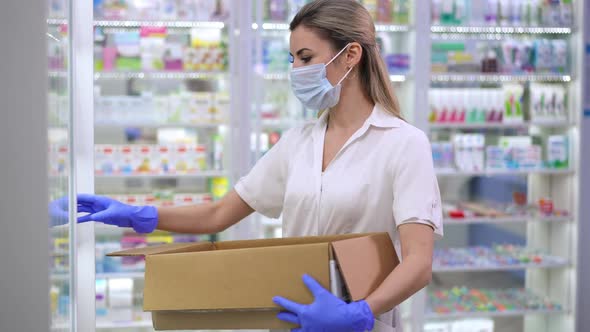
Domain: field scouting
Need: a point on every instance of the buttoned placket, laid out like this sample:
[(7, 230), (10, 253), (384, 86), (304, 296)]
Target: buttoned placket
[(319, 137)]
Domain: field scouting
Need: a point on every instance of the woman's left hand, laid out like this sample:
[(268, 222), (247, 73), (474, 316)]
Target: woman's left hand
[(327, 312)]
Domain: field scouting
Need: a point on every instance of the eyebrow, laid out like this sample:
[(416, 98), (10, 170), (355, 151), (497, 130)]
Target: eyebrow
[(300, 51)]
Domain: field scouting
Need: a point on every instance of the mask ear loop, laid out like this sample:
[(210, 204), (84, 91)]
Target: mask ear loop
[(337, 55), (345, 75)]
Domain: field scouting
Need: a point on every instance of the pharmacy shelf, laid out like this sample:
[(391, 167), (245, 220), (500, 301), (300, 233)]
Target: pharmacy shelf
[(280, 124), (110, 325), (140, 23), (285, 76), (501, 30), (507, 220), (159, 75), (458, 173), (114, 275), (204, 174), (162, 126), (123, 325), (485, 268), (492, 314), (167, 24), (270, 26), (501, 125), (57, 73), (393, 28), (56, 21), (499, 78), (120, 275)]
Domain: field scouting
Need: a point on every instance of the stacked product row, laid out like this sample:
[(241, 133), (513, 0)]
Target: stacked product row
[(158, 159), (544, 208), (155, 48), (498, 256), (545, 103), (468, 152), (182, 108), (509, 56), (382, 11), (482, 301), (503, 12)]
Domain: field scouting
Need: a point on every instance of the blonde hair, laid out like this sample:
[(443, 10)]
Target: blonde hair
[(344, 21)]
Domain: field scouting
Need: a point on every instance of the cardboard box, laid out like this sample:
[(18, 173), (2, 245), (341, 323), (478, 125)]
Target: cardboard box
[(230, 285)]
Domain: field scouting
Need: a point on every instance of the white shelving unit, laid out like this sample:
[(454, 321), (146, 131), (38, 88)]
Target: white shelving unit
[(515, 267), (499, 78), (501, 30), (203, 174), (501, 125), (159, 75), (523, 172), (508, 220), (154, 82), (555, 235), (496, 314)]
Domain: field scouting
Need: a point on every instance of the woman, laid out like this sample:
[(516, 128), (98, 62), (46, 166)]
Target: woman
[(358, 168)]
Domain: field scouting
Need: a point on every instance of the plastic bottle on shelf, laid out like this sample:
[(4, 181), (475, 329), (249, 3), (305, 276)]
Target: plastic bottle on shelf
[(276, 10), (516, 12), (435, 12), (491, 12), (460, 12), (217, 152), (504, 12), (567, 15), (295, 6), (384, 11), (552, 13), (371, 6), (401, 12), (447, 13), (444, 108), (434, 98), (463, 106)]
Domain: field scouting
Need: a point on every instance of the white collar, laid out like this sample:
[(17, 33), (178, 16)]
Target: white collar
[(379, 118)]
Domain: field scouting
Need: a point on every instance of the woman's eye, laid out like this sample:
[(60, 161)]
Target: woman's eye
[(306, 60)]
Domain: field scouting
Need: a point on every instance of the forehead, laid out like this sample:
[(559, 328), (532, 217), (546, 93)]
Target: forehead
[(304, 37)]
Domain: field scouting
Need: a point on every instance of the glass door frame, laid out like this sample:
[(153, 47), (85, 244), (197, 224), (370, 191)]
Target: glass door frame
[(81, 71)]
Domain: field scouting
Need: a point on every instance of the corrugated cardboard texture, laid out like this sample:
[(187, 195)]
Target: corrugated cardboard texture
[(164, 249), (233, 279), (365, 262), (228, 320)]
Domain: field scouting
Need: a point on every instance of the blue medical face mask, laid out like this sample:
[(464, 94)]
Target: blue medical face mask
[(311, 86)]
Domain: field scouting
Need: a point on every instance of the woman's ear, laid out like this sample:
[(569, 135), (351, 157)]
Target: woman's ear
[(354, 54)]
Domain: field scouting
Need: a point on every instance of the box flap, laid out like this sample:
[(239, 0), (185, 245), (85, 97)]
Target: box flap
[(233, 279), (241, 244), (164, 249), (365, 262)]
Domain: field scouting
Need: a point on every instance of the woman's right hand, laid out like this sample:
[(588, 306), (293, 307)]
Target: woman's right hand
[(143, 219)]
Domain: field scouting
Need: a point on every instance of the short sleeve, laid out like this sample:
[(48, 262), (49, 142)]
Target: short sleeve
[(263, 189), (416, 195)]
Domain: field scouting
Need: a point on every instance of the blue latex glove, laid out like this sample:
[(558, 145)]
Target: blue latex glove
[(143, 219), (327, 313), (58, 212)]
